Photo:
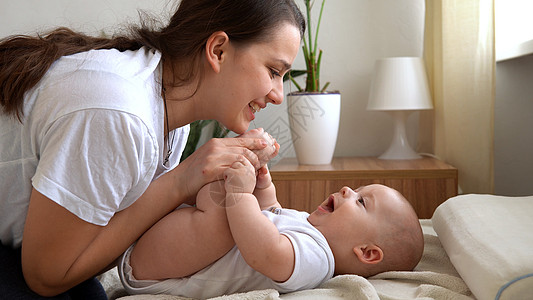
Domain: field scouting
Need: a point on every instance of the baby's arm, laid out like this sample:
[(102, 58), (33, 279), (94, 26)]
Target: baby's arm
[(265, 191), (258, 239), (186, 240)]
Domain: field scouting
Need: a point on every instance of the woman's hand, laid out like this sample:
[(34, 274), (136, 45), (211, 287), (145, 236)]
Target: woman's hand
[(267, 153), (209, 162)]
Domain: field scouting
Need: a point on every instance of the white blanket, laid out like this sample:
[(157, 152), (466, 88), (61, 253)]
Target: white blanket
[(434, 278)]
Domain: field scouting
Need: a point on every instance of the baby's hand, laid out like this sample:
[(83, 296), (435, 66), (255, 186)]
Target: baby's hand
[(240, 177), (267, 153)]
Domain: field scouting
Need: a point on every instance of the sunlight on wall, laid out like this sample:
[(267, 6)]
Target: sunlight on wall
[(513, 28)]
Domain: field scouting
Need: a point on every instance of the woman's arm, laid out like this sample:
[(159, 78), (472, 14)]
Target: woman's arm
[(59, 250), (259, 241)]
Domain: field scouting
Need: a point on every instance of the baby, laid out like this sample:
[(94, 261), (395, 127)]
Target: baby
[(238, 238)]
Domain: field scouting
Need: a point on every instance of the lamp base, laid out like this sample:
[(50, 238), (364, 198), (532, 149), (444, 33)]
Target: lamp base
[(399, 147)]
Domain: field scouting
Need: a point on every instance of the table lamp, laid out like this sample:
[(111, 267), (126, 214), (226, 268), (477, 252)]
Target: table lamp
[(399, 87)]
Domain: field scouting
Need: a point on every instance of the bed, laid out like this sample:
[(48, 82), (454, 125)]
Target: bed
[(476, 247)]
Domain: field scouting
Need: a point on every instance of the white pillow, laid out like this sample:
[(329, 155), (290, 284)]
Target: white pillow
[(489, 240)]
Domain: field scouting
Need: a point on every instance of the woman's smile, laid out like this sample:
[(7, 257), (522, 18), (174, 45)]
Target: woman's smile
[(253, 108)]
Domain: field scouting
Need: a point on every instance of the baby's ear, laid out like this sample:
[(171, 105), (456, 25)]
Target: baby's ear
[(369, 254)]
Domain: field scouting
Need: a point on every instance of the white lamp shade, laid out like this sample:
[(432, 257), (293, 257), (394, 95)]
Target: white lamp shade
[(399, 83)]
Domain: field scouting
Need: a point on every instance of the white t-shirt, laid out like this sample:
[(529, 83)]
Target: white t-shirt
[(92, 138), (313, 264)]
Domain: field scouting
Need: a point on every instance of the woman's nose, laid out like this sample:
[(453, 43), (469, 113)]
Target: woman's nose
[(276, 93)]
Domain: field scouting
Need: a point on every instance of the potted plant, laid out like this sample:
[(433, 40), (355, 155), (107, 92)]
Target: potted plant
[(195, 134), (314, 113)]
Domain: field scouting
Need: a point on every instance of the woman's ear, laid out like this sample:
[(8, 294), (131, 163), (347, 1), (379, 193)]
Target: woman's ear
[(215, 49), (369, 254)]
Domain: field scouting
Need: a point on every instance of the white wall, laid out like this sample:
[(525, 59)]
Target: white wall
[(30, 16), (353, 35)]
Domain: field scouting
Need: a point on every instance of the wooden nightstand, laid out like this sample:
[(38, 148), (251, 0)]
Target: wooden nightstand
[(425, 182)]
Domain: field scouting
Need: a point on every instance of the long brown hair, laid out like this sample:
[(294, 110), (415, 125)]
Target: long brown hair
[(25, 59)]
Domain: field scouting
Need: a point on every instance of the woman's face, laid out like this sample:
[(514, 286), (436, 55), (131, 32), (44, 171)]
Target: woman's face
[(252, 77)]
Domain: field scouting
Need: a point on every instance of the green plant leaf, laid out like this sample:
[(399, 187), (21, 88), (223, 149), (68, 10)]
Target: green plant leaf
[(196, 132), (325, 87), (310, 49), (296, 84), (293, 74)]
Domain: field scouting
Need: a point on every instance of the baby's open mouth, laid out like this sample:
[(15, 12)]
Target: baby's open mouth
[(330, 205)]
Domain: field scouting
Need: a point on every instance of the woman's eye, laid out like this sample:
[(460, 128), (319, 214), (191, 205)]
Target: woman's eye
[(362, 201), (274, 73)]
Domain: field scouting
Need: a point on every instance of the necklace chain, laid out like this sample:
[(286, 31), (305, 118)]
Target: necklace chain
[(170, 141)]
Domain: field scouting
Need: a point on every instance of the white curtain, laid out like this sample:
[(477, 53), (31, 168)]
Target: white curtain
[(460, 59)]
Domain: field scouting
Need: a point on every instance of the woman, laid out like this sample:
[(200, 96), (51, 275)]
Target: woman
[(92, 131)]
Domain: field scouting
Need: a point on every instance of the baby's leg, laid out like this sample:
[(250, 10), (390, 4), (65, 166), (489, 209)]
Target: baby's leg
[(186, 240)]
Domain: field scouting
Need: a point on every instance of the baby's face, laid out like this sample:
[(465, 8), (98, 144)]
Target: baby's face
[(359, 213)]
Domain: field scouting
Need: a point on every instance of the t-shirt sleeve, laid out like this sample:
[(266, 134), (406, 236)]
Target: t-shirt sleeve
[(312, 264), (95, 162)]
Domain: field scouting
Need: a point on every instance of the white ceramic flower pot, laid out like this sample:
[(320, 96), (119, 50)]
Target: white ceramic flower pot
[(314, 122)]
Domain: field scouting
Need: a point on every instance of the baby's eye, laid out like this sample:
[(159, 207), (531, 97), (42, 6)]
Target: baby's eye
[(362, 201)]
